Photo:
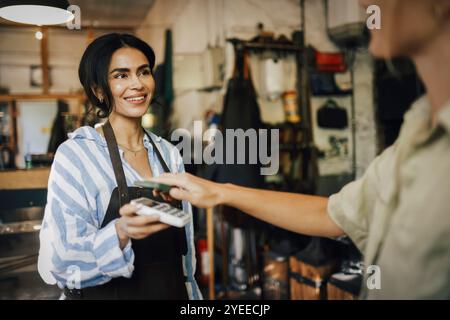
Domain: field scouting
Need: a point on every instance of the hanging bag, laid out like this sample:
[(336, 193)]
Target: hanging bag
[(331, 116)]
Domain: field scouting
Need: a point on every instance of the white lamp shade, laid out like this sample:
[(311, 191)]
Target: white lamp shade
[(36, 14)]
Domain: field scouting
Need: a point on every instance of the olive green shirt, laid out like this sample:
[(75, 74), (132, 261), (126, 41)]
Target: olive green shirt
[(398, 213)]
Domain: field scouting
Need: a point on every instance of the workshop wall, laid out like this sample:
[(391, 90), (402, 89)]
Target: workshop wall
[(366, 136), (20, 50), (197, 24)]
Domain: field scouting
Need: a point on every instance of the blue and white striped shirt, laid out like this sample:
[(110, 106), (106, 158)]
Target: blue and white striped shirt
[(74, 250)]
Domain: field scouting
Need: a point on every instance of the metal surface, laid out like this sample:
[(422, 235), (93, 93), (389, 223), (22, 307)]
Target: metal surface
[(18, 244), (21, 214)]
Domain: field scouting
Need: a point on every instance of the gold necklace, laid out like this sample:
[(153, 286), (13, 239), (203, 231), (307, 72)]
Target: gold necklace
[(132, 151)]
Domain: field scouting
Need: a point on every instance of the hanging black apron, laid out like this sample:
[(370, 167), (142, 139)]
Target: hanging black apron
[(158, 271)]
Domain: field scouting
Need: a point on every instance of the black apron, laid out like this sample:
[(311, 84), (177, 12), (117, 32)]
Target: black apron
[(158, 271)]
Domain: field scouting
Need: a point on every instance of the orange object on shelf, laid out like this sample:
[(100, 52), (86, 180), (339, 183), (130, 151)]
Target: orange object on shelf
[(290, 106)]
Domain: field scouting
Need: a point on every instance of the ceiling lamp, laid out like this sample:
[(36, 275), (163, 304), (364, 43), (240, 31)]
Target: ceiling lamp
[(37, 12)]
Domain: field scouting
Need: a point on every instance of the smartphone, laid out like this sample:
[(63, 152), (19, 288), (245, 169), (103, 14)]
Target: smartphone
[(152, 185)]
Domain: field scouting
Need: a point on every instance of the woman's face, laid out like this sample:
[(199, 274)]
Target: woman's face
[(131, 82), (406, 26)]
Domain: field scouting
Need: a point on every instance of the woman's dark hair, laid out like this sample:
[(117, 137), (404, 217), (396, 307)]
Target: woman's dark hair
[(94, 66)]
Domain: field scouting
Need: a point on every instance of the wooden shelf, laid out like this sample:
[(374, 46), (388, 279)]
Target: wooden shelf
[(40, 96), (24, 179)]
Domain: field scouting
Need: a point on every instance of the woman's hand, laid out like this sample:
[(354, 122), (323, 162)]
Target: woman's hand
[(131, 225), (199, 192)]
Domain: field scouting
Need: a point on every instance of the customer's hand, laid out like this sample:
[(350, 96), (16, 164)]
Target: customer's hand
[(199, 192), (131, 225)]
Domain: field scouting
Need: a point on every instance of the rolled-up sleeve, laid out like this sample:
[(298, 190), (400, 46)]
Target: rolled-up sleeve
[(72, 247), (112, 261), (352, 208)]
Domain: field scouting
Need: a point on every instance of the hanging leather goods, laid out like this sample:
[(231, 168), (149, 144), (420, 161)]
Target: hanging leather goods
[(329, 62), (331, 116), (241, 64)]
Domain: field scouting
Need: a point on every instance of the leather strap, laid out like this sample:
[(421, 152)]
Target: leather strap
[(158, 154), (116, 163), (176, 203)]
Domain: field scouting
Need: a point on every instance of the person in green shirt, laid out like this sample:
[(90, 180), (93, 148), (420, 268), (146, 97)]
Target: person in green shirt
[(398, 212)]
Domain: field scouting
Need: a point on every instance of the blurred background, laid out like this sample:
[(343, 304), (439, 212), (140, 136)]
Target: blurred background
[(298, 66)]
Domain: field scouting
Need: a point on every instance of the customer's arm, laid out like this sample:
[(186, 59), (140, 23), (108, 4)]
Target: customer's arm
[(348, 212), (296, 212), (299, 213)]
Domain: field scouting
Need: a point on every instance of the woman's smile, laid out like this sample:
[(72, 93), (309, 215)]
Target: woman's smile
[(137, 99)]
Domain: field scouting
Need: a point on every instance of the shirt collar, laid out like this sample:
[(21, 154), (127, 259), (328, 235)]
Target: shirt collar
[(154, 137), (90, 133), (444, 117), (417, 124), (421, 108)]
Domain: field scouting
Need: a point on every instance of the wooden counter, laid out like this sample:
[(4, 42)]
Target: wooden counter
[(24, 179)]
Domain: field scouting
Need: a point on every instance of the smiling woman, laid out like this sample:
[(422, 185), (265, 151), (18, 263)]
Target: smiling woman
[(113, 64), (131, 82), (88, 226)]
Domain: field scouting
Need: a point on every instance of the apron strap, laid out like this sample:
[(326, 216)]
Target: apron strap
[(116, 163), (158, 154), (177, 203)]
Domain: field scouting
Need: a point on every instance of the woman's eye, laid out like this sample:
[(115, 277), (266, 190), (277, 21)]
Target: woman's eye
[(146, 72), (120, 76)]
